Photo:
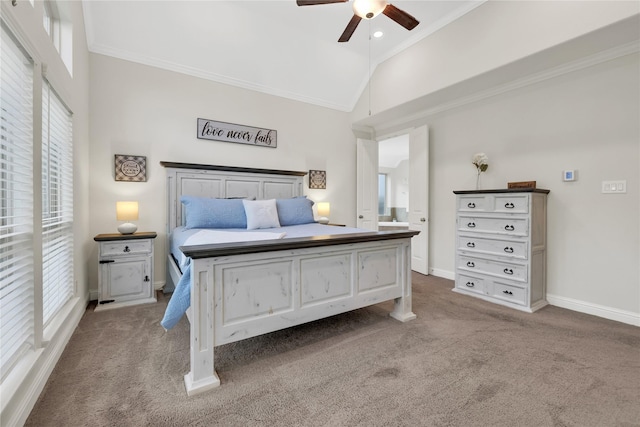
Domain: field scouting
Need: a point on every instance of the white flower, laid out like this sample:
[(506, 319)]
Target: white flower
[(481, 162)]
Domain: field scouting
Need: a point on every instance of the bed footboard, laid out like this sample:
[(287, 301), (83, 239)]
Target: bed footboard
[(234, 297)]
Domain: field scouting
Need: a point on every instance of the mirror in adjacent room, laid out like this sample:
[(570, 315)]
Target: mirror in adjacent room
[(393, 183)]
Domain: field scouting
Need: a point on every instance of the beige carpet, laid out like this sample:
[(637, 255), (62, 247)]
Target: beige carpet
[(462, 362)]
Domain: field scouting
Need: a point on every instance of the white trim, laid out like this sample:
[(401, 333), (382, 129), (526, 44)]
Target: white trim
[(196, 72), (18, 402), (445, 274), (570, 67), (623, 316)]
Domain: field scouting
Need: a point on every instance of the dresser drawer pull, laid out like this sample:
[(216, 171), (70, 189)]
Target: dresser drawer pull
[(126, 249), (509, 205), (471, 224), (471, 264), (471, 205), (471, 245), (106, 261), (470, 284), (507, 292), (508, 250), (509, 227), (508, 271)]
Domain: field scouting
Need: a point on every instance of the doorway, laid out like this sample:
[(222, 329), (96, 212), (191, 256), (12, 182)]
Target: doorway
[(393, 183)]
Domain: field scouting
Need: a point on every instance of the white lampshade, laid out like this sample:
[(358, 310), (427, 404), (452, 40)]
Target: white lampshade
[(127, 211), (324, 209), (368, 9)]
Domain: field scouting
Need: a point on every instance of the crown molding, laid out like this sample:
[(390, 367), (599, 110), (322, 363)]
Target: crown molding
[(196, 72), (553, 72)]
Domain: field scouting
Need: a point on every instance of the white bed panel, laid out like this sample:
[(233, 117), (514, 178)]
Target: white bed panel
[(255, 291), (325, 278)]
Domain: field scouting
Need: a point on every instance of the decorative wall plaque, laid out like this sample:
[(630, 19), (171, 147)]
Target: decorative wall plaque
[(130, 168), (229, 132), (317, 179)]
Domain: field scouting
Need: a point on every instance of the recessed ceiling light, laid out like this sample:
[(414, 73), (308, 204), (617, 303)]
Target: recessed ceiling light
[(378, 34)]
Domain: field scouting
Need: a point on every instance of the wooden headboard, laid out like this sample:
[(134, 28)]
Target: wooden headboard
[(223, 182)]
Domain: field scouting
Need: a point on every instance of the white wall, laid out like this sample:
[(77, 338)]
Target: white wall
[(141, 110), (584, 117)]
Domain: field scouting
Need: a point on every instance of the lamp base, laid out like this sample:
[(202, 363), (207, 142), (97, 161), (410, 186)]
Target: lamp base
[(127, 228), (323, 220)]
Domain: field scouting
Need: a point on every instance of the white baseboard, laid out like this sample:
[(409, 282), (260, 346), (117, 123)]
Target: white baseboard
[(445, 274), (605, 312), (623, 316)]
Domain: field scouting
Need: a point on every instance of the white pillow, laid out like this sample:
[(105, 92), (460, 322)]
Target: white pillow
[(261, 214)]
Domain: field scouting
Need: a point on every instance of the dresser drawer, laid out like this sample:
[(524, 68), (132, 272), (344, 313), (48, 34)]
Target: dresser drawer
[(511, 203), (506, 226), (483, 245), (493, 267), (125, 247), (471, 283), (511, 293), (473, 203)]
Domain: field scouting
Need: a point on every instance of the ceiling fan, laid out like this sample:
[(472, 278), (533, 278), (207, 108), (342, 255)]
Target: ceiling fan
[(368, 9)]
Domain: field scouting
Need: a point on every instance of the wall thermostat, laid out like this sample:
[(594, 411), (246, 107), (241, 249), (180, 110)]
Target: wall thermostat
[(569, 175)]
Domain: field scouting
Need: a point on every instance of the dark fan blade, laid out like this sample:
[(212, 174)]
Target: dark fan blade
[(351, 27), (312, 2), (401, 17)]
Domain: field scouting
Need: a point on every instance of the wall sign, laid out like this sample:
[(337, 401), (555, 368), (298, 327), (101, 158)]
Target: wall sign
[(317, 179), (130, 168), (229, 132)]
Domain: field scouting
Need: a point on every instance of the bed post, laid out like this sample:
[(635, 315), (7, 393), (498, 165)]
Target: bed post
[(402, 309), (202, 376)]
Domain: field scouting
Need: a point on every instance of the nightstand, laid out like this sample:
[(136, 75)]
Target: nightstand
[(125, 275)]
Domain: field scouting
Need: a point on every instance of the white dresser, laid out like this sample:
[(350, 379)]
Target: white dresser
[(501, 246)]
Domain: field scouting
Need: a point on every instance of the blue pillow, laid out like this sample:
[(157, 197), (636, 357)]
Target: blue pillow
[(298, 210), (202, 212)]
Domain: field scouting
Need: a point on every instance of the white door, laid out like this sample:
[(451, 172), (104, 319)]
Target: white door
[(367, 184), (419, 198)]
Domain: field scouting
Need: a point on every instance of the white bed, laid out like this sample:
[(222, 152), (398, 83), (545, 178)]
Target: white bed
[(244, 289)]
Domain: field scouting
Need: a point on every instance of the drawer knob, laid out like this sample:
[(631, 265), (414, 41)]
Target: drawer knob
[(508, 271), (509, 227), (470, 284), (471, 264), (471, 205), (126, 249), (471, 224), (471, 245), (507, 292), (508, 250), (509, 205)]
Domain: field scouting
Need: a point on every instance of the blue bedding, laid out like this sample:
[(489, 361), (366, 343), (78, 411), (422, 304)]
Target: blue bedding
[(181, 298)]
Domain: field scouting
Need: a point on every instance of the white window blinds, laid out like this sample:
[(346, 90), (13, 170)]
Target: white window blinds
[(57, 203), (16, 216)]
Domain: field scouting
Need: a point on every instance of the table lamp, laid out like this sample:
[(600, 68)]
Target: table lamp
[(324, 209), (127, 211)]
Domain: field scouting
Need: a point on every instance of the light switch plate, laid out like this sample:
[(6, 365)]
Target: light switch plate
[(614, 187)]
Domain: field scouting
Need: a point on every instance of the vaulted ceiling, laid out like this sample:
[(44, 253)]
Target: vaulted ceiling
[(275, 47)]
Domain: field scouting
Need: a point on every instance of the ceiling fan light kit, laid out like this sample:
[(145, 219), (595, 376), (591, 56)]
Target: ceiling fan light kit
[(368, 9)]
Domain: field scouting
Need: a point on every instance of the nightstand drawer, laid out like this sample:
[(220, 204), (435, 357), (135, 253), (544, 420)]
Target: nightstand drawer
[(125, 247)]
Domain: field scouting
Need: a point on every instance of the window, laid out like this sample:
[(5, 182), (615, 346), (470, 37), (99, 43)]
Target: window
[(382, 193), (16, 215), (57, 203)]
